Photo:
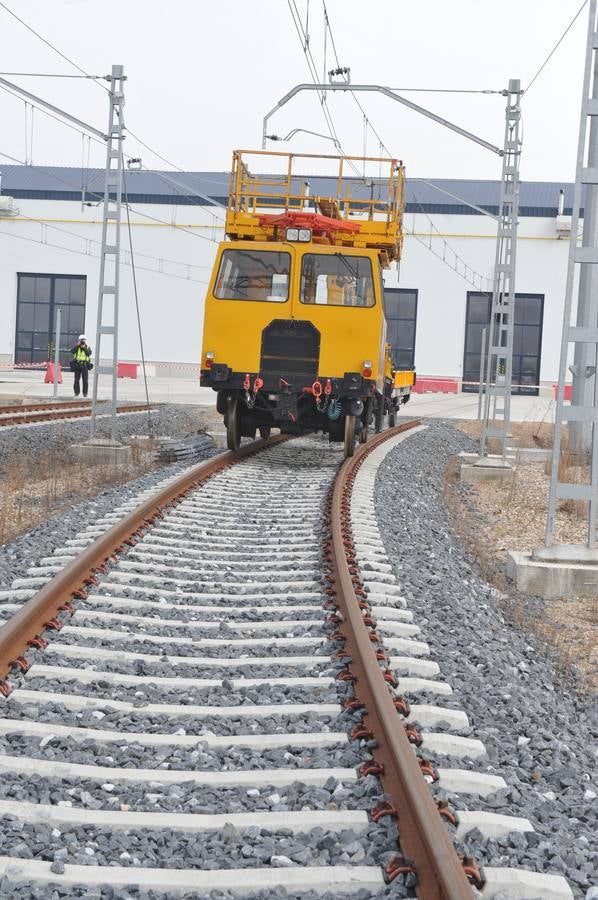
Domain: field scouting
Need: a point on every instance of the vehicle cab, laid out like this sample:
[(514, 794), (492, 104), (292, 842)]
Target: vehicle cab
[(294, 327)]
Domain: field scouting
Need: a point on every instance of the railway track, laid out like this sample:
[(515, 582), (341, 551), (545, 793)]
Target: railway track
[(30, 413), (228, 700)]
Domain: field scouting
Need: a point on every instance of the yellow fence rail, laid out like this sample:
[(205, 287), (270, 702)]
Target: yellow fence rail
[(376, 204)]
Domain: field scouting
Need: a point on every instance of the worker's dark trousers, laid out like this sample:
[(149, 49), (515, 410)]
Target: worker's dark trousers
[(81, 375)]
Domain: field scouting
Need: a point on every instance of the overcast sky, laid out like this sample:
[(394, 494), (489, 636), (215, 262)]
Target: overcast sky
[(202, 74)]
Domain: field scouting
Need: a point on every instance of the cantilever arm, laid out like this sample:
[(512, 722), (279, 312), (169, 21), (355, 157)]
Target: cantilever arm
[(53, 109), (388, 93)]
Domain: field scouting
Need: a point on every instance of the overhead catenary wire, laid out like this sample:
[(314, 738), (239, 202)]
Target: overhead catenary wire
[(367, 121), (46, 242), (48, 75), (191, 192), (164, 176), (556, 46), (311, 65), (97, 78), (447, 245), (458, 260), (304, 41), (159, 259), (99, 197), (51, 46), (50, 115)]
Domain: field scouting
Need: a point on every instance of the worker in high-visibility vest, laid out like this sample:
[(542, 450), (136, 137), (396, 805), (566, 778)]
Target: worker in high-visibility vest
[(81, 364)]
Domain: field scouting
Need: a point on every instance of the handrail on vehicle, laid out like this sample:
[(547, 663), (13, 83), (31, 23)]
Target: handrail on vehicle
[(351, 198)]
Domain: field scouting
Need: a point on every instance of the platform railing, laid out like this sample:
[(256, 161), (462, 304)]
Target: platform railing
[(249, 192)]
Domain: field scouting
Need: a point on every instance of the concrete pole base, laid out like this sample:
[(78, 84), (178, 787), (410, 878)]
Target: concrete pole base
[(475, 469), (102, 451), (555, 573)]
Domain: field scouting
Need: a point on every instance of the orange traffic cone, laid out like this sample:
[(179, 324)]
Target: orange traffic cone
[(49, 379)]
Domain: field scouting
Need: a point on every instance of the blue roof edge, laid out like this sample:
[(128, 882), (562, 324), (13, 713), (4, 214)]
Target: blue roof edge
[(537, 198)]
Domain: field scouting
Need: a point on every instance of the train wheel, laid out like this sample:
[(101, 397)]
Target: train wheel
[(363, 434), (392, 416), (265, 432), (349, 435), (233, 424)]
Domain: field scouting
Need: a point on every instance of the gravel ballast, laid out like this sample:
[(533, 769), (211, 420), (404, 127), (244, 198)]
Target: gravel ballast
[(167, 419), (17, 555), (279, 723), (199, 758), (540, 735), (226, 847)]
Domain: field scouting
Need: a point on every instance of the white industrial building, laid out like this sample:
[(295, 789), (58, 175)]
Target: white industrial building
[(49, 246)]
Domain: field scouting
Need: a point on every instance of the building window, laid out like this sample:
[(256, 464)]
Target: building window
[(527, 340), (38, 298), (400, 307)]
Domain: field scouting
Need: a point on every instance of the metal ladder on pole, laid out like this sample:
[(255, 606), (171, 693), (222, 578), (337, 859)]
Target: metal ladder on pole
[(499, 361), (584, 334), (106, 345)]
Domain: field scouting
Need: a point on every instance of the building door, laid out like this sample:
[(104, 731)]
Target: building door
[(527, 341), (38, 298), (400, 308)]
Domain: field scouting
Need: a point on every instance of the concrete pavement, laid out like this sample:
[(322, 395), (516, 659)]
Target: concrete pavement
[(29, 385)]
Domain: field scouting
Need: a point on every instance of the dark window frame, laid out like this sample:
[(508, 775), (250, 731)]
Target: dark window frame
[(519, 389), (411, 349), (279, 300), (27, 335), (356, 256)]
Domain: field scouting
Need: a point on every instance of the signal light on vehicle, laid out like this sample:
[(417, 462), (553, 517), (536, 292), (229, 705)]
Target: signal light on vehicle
[(303, 235), (210, 355), (367, 368)]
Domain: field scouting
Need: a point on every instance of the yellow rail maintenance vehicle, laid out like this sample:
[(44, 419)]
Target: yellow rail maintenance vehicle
[(294, 328)]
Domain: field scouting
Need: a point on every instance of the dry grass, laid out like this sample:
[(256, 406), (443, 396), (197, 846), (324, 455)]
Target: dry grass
[(35, 488), (492, 519), (525, 434)]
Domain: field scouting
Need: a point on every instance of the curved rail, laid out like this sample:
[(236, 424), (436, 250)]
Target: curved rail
[(423, 838), (32, 619)]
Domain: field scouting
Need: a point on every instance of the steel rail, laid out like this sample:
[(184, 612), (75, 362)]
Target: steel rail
[(423, 837), (45, 405), (70, 583), (55, 413)]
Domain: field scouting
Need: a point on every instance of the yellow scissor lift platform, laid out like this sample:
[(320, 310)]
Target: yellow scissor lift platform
[(261, 206)]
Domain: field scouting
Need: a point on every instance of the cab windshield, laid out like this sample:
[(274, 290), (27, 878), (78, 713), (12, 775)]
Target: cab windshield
[(253, 275), (337, 280)]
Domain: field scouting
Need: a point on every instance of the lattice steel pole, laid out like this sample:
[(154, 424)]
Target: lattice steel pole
[(499, 361), (108, 292), (584, 334)]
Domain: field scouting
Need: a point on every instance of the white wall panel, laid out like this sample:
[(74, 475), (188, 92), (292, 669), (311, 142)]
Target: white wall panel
[(172, 308)]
